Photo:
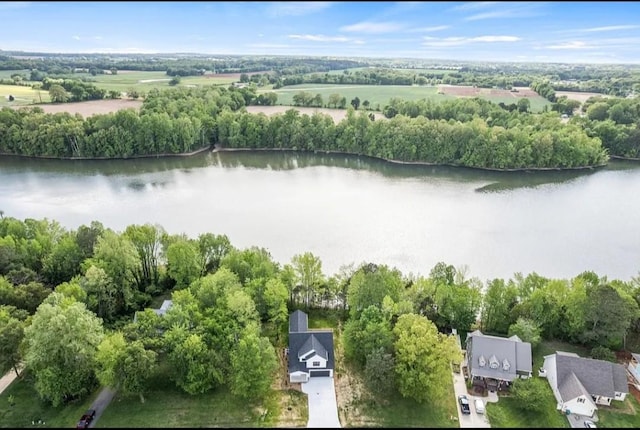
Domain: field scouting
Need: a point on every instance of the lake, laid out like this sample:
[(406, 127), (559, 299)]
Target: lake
[(348, 209)]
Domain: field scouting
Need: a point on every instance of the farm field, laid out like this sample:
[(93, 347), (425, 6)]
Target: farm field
[(376, 94), (496, 96), (337, 114), (23, 95), (92, 107), (579, 96)]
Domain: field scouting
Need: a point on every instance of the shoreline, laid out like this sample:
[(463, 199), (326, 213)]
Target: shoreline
[(414, 163), (215, 148)]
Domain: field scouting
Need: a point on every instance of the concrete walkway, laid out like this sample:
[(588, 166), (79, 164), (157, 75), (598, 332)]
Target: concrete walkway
[(7, 379)]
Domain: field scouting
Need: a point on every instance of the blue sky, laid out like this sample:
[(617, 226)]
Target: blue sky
[(585, 32)]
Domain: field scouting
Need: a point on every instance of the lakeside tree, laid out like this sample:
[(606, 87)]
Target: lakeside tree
[(369, 286), (423, 358), (124, 366), (308, 272), (253, 365), (61, 345), (12, 324)]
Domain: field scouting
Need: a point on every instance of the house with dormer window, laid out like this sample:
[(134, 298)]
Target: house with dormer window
[(493, 362), (310, 352)]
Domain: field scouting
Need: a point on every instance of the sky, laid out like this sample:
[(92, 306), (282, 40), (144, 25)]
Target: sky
[(565, 32)]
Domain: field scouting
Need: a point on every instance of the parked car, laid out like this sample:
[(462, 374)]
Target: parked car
[(86, 419), (589, 424), (479, 406), (464, 404)]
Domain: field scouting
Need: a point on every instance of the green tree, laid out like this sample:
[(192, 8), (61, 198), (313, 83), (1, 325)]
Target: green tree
[(379, 371), (184, 262), (524, 105), (11, 336), (253, 363), (423, 358), (526, 330), (608, 316), (355, 102), (58, 94), (124, 366), (334, 100), (63, 263), (195, 366), (61, 345), (366, 334), (598, 111), (275, 297), (213, 248), (101, 292), (308, 270), (603, 353), (370, 284), (530, 393)]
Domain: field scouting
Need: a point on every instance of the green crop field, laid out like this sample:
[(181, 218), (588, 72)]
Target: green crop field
[(23, 95), (376, 94)]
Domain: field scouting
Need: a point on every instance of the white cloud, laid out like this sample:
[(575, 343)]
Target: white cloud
[(297, 8), (76, 37), (372, 27), (458, 41), (575, 44), (509, 10), (319, 38), (9, 5), (474, 5), (607, 28), (428, 29)]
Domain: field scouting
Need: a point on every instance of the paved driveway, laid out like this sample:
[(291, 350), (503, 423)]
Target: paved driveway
[(474, 420), (577, 421), (323, 407)]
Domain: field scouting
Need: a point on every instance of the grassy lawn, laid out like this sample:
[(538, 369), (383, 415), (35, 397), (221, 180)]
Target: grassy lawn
[(507, 414), (23, 95), (28, 407), (376, 94), (619, 415)]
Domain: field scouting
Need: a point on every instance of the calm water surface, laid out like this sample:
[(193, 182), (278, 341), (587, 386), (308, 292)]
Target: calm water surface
[(349, 210)]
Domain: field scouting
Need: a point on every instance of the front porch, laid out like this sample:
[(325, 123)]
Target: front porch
[(490, 384)]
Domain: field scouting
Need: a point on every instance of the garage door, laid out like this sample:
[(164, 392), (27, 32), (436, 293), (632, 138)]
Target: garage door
[(320, 373)]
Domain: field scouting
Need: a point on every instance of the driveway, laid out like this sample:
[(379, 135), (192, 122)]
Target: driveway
[(577, 421), (473, 420), (323, 407), (100, 403)]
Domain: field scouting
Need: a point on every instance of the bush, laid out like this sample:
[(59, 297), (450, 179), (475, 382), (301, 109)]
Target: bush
[(603, 353)]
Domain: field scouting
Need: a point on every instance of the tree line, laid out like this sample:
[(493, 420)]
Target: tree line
[(74, 308), (182, 120)]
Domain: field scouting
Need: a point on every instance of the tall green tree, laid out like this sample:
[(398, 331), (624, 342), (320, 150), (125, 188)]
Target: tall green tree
[(308, 270), (370, 284), (253, 363), (423, 358), (11, 336), (61, 345)]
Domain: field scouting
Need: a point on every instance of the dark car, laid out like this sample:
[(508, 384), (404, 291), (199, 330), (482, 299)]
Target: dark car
[(86, 419), (464, 404)]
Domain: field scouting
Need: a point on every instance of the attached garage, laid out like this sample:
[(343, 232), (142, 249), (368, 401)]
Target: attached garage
[(315, 373)]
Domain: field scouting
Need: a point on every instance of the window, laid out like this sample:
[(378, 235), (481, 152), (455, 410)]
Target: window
[(580, 399), (316, 364)]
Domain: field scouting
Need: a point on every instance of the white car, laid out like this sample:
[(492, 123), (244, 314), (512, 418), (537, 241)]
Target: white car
[(479, 406), (589, 424)]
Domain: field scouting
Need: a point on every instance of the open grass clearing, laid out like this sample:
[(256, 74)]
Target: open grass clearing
[(23, 95), (507, 414), (29, 408), (625, 415), (377, 95)]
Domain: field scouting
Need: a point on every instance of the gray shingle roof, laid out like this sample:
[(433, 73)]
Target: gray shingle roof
[(298, 322), (517, 354), (570, 388), (302, 342), (599, 377)]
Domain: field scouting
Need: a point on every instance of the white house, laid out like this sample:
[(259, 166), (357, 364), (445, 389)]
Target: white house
[(634, 369), (580, 384), (310, 351)]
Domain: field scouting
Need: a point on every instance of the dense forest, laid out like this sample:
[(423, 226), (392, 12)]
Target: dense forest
[(182, 120), (74, 309)]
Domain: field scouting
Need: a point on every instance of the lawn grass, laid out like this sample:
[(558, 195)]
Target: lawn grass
[(620, 414), (168, 406), (23, 95), (507, 414), (28, 407)]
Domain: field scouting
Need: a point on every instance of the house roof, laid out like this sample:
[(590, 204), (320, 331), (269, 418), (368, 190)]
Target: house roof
[(598, 377), (303, 342), (298, 322), (483, 348), (571, 387), (312, 344), (166, 305)]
